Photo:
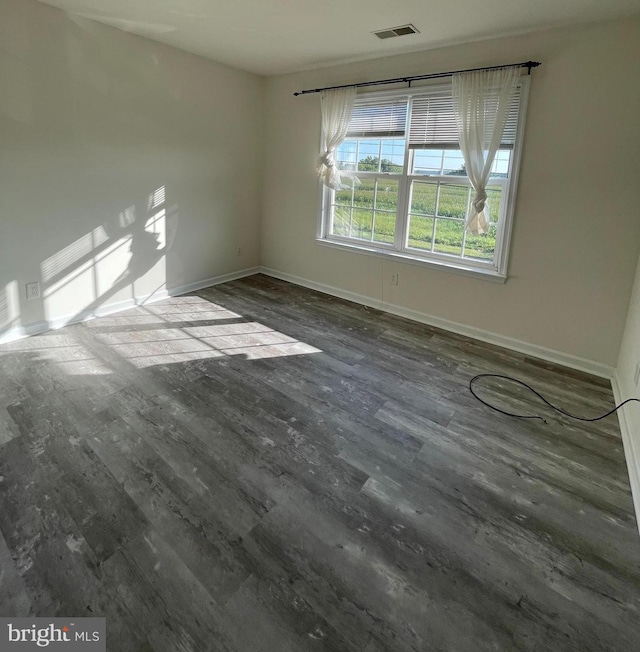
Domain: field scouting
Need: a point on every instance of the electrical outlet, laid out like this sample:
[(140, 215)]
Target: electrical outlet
[(636, 378), (33, 290), (394, 278)]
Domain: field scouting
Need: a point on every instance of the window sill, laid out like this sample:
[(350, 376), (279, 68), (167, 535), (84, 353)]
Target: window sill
[(455, 268)]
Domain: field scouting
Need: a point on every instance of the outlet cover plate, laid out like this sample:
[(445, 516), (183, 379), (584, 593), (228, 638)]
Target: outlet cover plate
[(33, 290)]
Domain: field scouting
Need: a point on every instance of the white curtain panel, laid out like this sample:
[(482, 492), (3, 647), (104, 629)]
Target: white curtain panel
[(337, 107), (481, 102)]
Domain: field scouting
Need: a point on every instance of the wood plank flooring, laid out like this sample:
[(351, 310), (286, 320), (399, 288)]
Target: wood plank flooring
[(259, 467)]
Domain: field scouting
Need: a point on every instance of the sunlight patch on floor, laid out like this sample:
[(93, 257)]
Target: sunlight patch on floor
[(171, 331), (58, 349), (183, 329)]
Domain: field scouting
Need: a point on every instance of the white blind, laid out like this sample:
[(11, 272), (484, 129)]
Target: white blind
[(433, 122), (378, 118)]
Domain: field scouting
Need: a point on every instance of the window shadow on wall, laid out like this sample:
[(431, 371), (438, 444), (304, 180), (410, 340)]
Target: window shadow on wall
[(119, 263)]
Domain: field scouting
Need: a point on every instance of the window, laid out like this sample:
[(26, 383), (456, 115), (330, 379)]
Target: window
[(406, 191)]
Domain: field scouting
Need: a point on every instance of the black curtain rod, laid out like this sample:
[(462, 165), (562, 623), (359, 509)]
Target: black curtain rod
[(408, 80)]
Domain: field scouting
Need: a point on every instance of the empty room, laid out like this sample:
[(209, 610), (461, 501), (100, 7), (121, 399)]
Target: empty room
[(319, 326)]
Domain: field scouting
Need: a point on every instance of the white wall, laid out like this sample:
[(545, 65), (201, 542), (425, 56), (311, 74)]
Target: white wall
[(576, 231), (93, 121)]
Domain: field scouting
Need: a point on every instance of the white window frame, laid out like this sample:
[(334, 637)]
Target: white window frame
[(495, 270)]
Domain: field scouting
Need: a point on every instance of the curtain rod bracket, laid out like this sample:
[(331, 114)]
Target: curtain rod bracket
[(531, 64)]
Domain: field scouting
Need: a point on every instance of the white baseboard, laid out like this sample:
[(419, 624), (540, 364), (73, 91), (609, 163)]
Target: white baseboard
[(215, 280), (35, 328), (631, 448), (533, 350), (14, 333)]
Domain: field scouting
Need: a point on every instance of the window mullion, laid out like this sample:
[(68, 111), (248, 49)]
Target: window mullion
[(402, 213), (466, 214), (373, 207), (328, 210), (435, 216), (351, 221), (404, 192), (501, 219)]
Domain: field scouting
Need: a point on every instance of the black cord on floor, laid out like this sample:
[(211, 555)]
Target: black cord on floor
[(542, 398)]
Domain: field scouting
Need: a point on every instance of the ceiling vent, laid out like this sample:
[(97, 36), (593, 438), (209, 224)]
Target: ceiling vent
[(404, 30)]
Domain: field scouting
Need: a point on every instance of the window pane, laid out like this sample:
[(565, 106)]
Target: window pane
[(423, 198), (453, 201), (386, 204), (362, 224), (363, 193), (449, 234), (369, 155), (384, 226), (346, 155), (427, 161), (343, 196), (392, 155), (494, 198), (481, 247), (454, 162), (387, 195), (420, 232), (500, 167), (341, 220)]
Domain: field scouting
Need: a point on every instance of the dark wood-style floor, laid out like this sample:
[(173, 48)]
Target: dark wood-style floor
[(259, 467)]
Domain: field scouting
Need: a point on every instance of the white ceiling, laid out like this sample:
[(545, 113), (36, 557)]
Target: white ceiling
[(277, 36)]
